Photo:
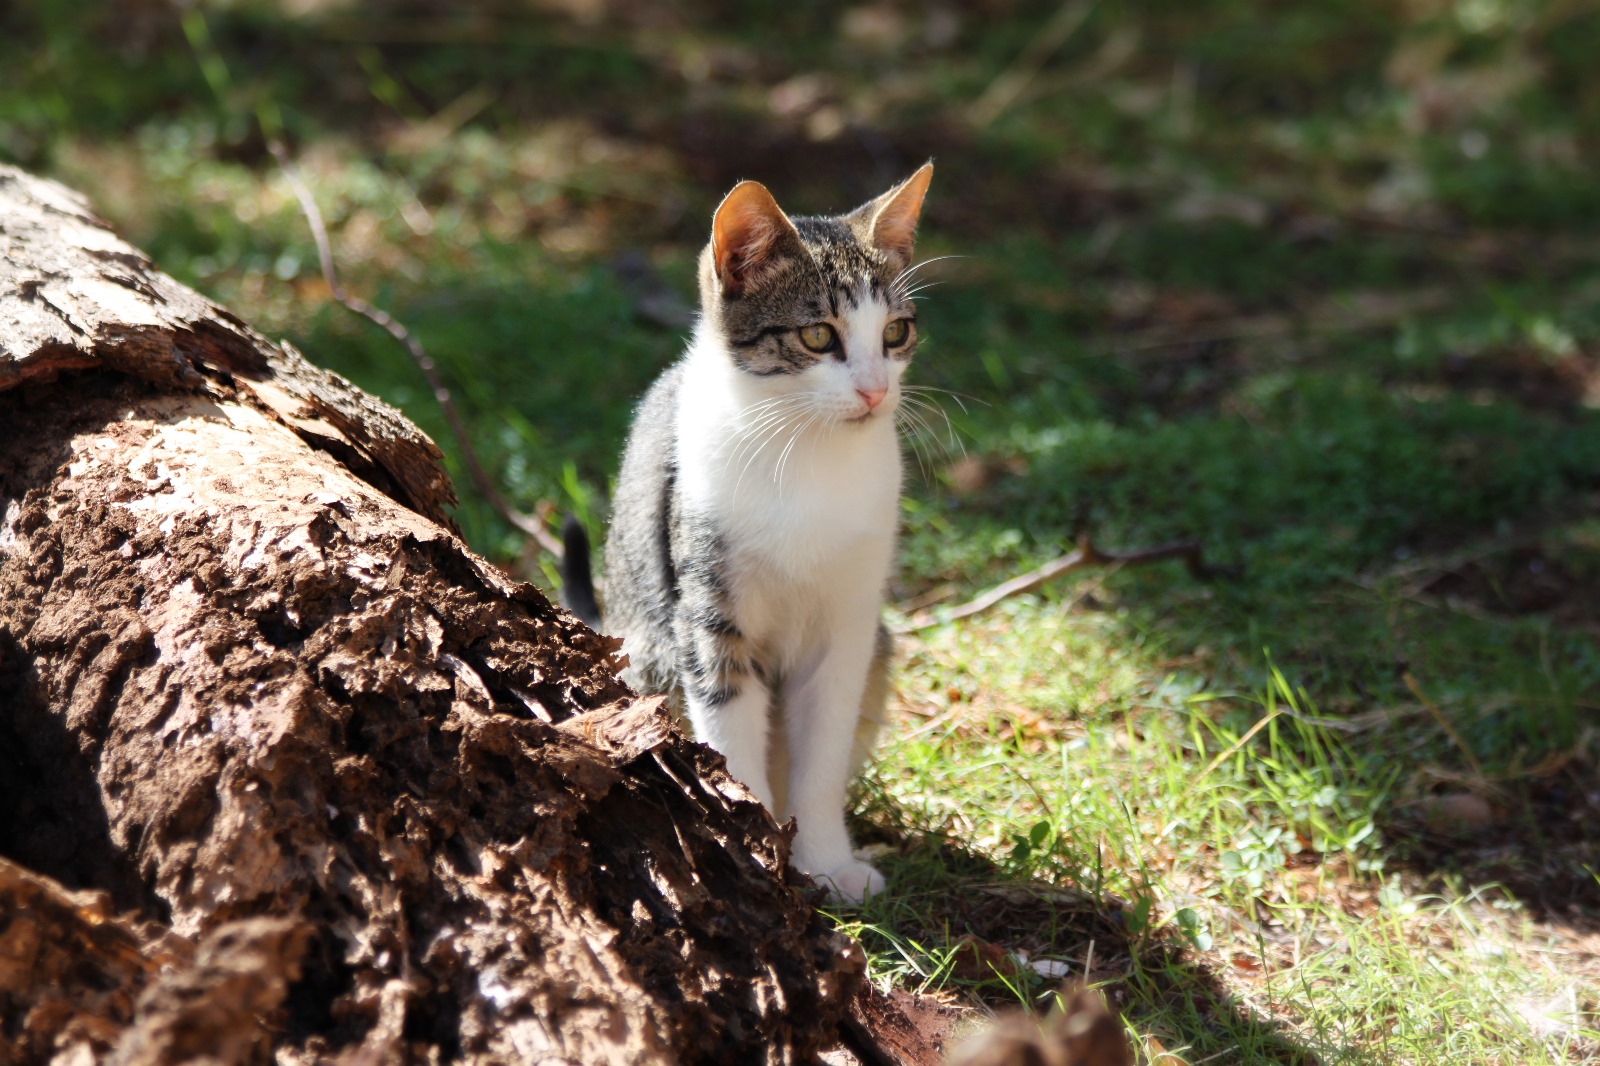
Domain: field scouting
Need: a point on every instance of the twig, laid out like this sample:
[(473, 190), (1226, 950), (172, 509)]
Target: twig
[(528, 524), (1014, 79), (1223, 756), (1444, 723), (1085, 555)]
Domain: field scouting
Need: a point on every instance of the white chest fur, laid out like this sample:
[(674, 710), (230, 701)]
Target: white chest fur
[(807, 505)]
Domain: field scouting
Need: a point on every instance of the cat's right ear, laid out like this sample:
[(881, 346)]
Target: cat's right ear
[(749, 233)]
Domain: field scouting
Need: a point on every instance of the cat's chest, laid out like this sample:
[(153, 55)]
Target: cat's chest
[(802, 530), (807, 526), (818, 496), (800, 564)]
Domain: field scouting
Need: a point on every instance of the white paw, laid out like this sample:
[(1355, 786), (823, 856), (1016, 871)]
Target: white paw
[(851, 882)]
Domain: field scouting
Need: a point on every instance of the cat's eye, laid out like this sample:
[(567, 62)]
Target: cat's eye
[(819, 338), (896, 332)]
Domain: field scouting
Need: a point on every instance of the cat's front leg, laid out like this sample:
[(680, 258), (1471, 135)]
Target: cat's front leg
[(737, 727), (822, 706), (726, 698)]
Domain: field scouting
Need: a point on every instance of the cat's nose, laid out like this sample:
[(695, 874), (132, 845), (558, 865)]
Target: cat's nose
[(872, 397)]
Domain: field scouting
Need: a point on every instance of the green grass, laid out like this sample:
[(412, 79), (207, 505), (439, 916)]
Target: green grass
[(1243, 833), (1315, 286)]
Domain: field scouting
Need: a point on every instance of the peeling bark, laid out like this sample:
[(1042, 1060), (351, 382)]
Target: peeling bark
[(70, 969), (356, 794)]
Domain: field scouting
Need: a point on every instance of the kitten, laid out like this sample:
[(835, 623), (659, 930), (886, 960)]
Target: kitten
[(755, 515)]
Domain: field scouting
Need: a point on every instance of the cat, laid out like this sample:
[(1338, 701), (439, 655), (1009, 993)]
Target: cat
[(754, 522)]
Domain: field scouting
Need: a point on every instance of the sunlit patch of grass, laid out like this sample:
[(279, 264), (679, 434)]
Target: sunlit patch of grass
[(1219, 857)]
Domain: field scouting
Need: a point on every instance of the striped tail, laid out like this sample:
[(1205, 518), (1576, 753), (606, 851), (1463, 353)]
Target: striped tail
[(577, 578)]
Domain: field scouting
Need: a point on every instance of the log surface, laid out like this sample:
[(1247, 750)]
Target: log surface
[(75, 296), (249, 673)]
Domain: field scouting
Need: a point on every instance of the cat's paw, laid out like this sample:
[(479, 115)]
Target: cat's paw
[(851, 882)]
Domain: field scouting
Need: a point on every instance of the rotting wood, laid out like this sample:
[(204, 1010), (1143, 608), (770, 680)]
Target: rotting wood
[(1079, 1032), (248, 673), (80, 983)]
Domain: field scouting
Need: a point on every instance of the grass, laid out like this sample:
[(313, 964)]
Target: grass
[(1316, 286), (1248, 833)]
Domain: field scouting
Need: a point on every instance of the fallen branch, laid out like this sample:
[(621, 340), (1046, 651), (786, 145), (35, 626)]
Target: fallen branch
[(247, 674), (1084, 555), (533, 525)]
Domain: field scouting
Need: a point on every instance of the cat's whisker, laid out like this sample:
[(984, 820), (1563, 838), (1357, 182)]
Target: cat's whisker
[(771, 426), (750, 447), (783, 456), (746, 448), (906, 420), (749, 444), (908, 284), (762, 406), (924, 430), (772, 413), (910, 412), (910, 271), (758, 415), (771, 417), (755, 454), (958, 397), (923, 394), (777, 476), (931, 448), (953, 440), (773, 431)]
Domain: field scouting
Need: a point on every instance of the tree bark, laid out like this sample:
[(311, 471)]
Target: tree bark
[(347, 792)]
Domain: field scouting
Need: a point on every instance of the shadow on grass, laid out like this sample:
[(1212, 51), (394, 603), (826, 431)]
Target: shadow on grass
[(1537, 840), (956, 915)]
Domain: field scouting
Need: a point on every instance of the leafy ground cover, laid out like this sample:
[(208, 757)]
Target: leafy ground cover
[(1317, 285)]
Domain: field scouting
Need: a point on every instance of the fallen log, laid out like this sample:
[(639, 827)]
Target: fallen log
[(78, 982), (255, 690)]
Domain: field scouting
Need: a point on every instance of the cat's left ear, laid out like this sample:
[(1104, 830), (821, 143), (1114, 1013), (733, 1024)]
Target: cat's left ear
[(890, 221)]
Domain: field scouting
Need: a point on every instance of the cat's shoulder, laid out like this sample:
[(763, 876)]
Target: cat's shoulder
[(655, 417), (663, 392), (651, 437)]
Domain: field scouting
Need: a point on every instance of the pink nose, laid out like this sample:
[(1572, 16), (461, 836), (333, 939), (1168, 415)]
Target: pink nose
[(872, 397)]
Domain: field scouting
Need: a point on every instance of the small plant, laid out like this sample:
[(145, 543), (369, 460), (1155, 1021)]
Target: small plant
[(1026, 849), (1257, 854)]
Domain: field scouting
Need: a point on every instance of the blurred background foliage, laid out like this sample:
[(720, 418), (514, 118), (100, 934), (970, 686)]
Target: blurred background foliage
[(1313, 283), (1317, 284)]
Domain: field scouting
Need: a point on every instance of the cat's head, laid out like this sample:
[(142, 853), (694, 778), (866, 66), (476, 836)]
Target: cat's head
[(817, 307)]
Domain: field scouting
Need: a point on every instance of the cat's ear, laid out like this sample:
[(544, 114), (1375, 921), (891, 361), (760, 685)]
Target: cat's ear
[(749, 233), (890, 221)]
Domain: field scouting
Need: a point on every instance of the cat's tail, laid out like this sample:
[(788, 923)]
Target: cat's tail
[(577, 578)]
